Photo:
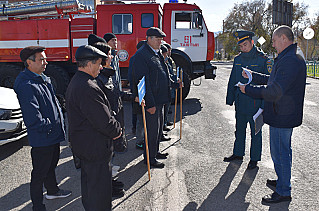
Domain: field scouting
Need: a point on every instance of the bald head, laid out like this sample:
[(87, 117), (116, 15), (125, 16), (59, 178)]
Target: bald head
[(282, 38)]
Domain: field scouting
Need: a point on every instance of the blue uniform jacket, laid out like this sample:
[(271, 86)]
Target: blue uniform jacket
[(40, 108), (254, 60), (285, 90)]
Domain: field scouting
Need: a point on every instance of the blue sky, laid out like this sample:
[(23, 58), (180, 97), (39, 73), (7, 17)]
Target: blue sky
[(215, 11)]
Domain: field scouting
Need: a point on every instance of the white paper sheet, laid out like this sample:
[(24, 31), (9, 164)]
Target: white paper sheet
[(250, 77)]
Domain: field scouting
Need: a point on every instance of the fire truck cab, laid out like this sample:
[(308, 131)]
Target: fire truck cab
[(186, 31)]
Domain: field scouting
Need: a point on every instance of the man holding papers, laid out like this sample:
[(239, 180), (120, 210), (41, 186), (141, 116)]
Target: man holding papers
[(250, 58), (284, 97)]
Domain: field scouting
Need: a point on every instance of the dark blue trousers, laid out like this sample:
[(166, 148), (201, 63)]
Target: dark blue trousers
[(96, 185), (154, 123), (240, 134)]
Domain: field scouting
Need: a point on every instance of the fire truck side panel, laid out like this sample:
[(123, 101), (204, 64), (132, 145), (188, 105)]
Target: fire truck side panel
[(80, 30), (14, 36), (127, 41), (54, 34)]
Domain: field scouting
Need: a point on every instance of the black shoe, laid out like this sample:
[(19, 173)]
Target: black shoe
[(161, 155), (233, 157), (157, 165), (139, 146), (117, 184), (252, 164), (164, 138), (275, 198), (272, 182), (117, 192), (165, 128), (60, 194), (169, 123)]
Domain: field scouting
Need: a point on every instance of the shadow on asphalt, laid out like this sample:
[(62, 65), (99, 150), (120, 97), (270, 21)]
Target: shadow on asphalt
[(10, 148), (191, 106), (191, 206), (217, 199), (127, 197), (69, 180)]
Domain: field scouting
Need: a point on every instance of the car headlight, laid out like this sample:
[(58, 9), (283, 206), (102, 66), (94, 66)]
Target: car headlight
[(5, 114)]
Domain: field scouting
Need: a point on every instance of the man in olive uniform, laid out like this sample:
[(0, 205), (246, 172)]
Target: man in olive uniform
[(245, 106)]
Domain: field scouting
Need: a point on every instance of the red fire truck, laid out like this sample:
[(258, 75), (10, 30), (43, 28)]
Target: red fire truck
[(66, 25)]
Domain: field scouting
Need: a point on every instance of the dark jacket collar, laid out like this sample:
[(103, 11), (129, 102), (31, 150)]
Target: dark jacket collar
[(84, 74), (291, 49), (37, 77)]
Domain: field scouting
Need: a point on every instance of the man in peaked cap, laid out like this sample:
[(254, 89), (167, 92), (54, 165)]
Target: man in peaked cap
[(149, 62), (156, 32), (242, 35), (43, 117), (92, 129), (245, 106)]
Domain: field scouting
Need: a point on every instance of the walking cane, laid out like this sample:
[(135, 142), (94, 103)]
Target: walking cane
[(175, 107), (176, 98), (181, 105), (146, 143)]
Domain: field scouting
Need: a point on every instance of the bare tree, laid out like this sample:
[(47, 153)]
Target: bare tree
[(256, 16)]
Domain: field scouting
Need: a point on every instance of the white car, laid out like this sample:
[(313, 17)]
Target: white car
[(12, 127)]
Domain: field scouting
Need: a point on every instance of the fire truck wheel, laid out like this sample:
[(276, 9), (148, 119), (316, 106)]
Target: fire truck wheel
[(8, 74), (186, 89), (59, 78)]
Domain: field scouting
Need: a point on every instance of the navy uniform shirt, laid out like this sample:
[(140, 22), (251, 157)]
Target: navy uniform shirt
[(254, 60)]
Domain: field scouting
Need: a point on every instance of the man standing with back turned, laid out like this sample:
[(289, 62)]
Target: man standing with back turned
[(284, 98), (43, 117)]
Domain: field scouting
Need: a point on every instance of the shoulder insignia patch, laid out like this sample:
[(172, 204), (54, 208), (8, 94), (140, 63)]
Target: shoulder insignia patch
[(269, 65)]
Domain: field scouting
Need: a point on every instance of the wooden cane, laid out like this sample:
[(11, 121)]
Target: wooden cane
[(175, 107), (181, 105), (146, 143)]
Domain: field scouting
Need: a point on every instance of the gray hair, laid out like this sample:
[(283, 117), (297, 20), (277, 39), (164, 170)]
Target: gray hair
[(284, 30), (32, 58), (83, 63)]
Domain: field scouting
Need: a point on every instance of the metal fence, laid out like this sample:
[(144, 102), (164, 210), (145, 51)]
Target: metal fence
[(313, 69)]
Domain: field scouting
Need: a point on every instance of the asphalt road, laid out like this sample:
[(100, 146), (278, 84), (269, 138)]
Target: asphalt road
[(195, 176)]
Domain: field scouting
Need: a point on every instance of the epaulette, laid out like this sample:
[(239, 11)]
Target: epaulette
[(261, 53)]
